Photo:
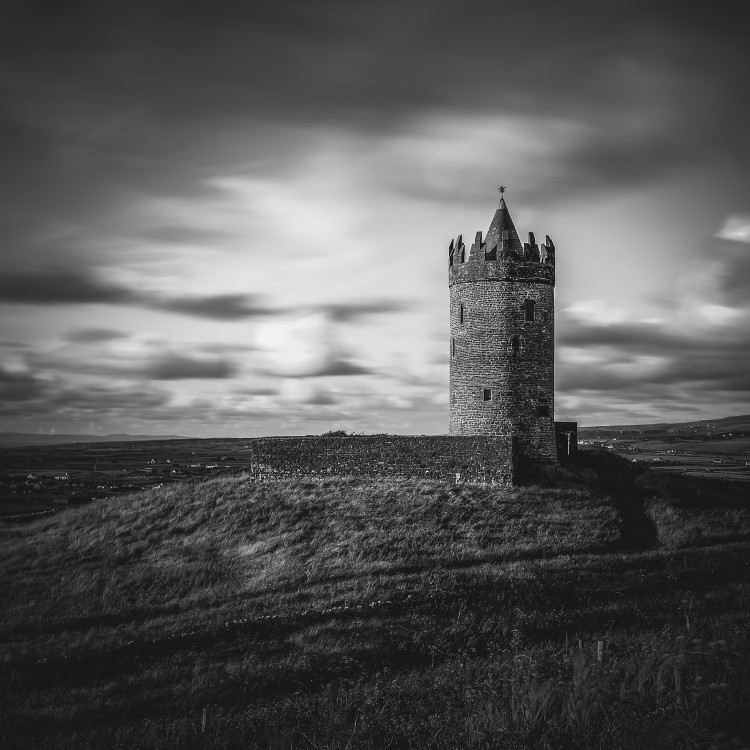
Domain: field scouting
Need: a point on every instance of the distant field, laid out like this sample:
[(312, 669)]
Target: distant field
[(344, 613), (39, 476), (719, 449)]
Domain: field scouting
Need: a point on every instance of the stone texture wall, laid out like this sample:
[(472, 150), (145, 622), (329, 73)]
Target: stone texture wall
[(501, 364), (476, 459)]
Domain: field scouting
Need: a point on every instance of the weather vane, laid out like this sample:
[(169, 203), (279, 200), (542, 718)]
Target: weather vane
[(502, 189)]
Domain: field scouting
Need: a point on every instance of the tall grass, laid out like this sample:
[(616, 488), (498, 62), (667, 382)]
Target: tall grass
[(387, 613)]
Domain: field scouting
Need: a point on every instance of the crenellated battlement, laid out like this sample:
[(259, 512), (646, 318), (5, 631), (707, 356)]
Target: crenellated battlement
[(501, 256), (502, 260), (530, 253)]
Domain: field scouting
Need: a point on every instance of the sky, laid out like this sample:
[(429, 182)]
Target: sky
[(233, 218)]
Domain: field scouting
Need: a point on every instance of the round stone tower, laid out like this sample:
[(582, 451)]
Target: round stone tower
[(502, 328)]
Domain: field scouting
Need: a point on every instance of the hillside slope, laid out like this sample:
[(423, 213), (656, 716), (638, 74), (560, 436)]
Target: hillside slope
[(347, 613)]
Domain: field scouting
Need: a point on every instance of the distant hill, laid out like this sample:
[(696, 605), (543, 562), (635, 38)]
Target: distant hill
[(8, 439), (701, 428)]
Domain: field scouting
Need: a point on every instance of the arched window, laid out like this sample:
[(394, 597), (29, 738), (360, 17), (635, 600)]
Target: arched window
[(529, 306)]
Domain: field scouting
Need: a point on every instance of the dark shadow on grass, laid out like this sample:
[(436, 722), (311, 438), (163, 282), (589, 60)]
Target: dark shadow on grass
[(606, 474)]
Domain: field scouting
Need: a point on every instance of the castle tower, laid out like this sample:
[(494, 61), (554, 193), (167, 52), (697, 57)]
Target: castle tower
[(502, 328)]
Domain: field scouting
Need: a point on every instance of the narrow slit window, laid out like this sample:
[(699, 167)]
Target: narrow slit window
[(515, 345), (529, 309), (487, 394), (453, 347), (461, 313)]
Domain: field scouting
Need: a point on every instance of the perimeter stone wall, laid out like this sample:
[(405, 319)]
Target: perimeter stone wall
[(442, 457)]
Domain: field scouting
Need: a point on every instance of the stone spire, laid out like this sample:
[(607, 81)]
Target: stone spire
[(502, 228)]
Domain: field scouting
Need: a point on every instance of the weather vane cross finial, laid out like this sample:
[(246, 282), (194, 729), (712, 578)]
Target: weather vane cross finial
[(501, 189)]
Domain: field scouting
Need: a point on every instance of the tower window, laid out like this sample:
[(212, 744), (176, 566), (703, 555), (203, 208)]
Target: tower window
[(515, 345), (545, 317), (542, 409), (487, 394), (490, 254), (461, 313), (453, 347), (529, 306), (504, 239)]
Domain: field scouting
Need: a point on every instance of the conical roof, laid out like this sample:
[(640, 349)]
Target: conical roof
[(501, 222)]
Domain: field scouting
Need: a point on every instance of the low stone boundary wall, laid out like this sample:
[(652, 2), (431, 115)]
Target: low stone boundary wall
[(454, 459)]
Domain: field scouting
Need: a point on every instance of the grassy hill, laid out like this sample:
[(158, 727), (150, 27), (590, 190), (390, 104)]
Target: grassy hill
[(344, 613)]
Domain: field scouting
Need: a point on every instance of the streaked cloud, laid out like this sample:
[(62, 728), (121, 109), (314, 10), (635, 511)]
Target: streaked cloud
[(736, 227), (94, 335), (238, 214), (689, 354), (67, 287), (183, 367)]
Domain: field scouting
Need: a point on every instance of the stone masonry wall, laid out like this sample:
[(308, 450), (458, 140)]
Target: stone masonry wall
[(476, 459), (501, 364)]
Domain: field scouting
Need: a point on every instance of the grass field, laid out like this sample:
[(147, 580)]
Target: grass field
[(599, 605)]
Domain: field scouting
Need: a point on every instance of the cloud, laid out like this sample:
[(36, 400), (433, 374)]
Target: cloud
[(217, 307), (736, 227), (347, 312), (17, 386), (179, 234), (103, 400), (32, 394), (304, 392), (630, 71), (67, 287), (640, 336), (182, 367), (691, 359), (702, 371), (733, 277), (134, 150), (137, 357), (257, 391), (305, 345), (335, 368), (60, 287), (94, 335)]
